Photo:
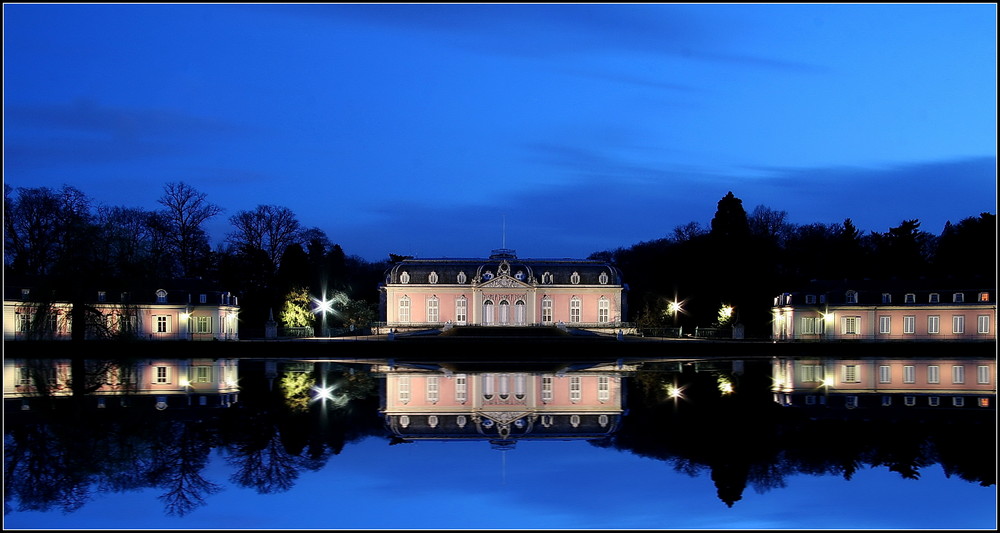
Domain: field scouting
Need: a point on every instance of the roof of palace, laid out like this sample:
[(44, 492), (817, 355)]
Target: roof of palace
[(503, 262)]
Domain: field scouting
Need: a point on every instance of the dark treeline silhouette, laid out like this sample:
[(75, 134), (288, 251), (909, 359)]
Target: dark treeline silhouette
[(60, 243), (58, 457)]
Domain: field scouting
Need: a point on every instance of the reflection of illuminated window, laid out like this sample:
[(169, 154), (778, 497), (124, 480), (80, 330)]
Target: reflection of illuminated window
[(603, 420), (575, 392), (461, 388), (547, 389), (984, 402), (810, 400), (460, 420), (851, 402), (432, 421), (488, 386), (812, 373), (520, 385), (404, 388), (574, 420), (202, 374), (404, 420), (603, 388), (432, 389)]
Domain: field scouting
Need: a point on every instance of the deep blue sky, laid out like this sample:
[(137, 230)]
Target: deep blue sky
[(427, 129), (539, 485)]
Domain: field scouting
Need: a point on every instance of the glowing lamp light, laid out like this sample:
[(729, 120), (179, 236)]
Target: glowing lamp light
[(827, 382), (322, 306), (323, 393), (184, 383)]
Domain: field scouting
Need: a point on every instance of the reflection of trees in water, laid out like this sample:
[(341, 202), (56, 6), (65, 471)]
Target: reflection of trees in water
[(744, 439)]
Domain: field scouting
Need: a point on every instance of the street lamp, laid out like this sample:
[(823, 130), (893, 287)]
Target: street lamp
[(322, 307), (674, 308)]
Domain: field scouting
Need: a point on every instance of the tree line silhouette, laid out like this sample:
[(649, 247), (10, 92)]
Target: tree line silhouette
[(59, 241)]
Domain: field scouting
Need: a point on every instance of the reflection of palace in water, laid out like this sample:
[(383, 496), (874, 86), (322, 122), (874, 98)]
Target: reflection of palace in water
[(164, 383), (503, 407), (885, 382)]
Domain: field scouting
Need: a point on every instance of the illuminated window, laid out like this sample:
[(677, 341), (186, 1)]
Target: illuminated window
[(404, 309), (984, 402), (404, 389), (603, 310), (461, 311), (488, 312), (958, 297), (547, 310), (575, 392), (910, 298), (489, 387), (811, 373), (161, 296), (432, 389), (983, 324), (933, 374), (885, 325), (984, 297), (958, 374), (850, 374), (574, 309), (934, 324), (885, 374), (202, 374), (203, 324), (909, 324), (909, 374), (520, 386), (812, 325), (603, 388), (162, 324), (851, 325), (958, 324), (934, 298), (433, 313), (983, 374), (161, 375), (461, 388), (432, 277)]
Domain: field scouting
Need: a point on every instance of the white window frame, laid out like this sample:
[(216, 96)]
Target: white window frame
[(461, 388), (851, 325), (934, 298), (910, 298), (933, 401), (161, 296), (161, 375), (432, 278), (885, 324), (958, 324), (203, 324), (574, 278), (958, 401), (201, 374), (546, 388), (161, 324), (810, 298), (520, 313), (958, 374), (811, 373), (575, 389), (433, 388), (909, 374), (958, 297), (461, 311), (983, 374), (884, 374), (433, 309), (546, 310), (850, 374), (603, 388), (404, 277), (886, 298), (909, 401), (575, 309), (851, 297), (603, 310), (909, 324), (983, 324), (933, 374), (404, 310), (403, 389), (933, 324)]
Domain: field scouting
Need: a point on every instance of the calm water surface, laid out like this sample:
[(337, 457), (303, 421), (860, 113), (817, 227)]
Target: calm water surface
[(713, 457)]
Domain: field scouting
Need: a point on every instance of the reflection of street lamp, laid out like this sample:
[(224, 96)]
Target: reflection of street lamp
[(323, 307)]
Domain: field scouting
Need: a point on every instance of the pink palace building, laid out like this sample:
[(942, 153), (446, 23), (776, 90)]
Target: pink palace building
[(503, 290)]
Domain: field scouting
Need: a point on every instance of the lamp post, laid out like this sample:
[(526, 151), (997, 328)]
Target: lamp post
[(323, 307)]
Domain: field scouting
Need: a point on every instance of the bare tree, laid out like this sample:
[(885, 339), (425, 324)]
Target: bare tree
[(186, 211), (268, 228), (770, 224)]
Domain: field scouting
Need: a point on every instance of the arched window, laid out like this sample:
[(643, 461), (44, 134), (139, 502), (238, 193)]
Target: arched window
[(519, 275), (432, 277), (603, 278), (462, 278), (404, 309), (488, 312), (547, 278), (461, 311), (575, 308), (603, 310), (851, 297), (433, 310), (404, 277), (546, 310), (161, 296), (504, 312), (519, 313), (574, 278), (487, 275)]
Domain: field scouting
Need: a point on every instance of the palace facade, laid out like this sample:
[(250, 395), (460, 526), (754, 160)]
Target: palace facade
[(885, 310), (503, 290)]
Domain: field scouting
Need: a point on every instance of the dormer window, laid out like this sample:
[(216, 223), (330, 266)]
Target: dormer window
[(25, 294), (958, 297), (934, 298), (984, 297), (202, 298), (886, 298), (462, 278), (603, 278), (519, 275), (851, 297), (102, 296), (810, 298), (910, 298), (404, 277), (574, 278), (487, 275), (432, 278), (161, 296), (547, 278)]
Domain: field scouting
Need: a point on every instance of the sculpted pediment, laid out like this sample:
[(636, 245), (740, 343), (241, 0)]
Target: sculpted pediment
[(503, 282)]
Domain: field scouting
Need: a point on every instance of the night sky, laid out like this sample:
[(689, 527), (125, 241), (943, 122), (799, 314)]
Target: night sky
[(556, 130)]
